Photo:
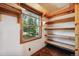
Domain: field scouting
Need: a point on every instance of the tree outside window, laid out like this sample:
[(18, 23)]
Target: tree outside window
[(30, 26)]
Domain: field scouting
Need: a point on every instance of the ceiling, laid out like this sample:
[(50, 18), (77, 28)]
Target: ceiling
[(48, 8), (51, 7)]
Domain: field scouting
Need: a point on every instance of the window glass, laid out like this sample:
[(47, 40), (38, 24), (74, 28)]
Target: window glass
[(30, 25)]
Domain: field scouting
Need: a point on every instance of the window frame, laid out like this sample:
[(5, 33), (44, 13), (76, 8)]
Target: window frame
[(23, 40), (29, 8)]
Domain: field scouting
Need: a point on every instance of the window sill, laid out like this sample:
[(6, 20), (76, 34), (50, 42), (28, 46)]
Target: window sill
[(28, 40)]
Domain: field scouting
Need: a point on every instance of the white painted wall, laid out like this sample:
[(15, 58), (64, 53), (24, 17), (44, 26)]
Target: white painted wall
[(10, 38), (34, 45)]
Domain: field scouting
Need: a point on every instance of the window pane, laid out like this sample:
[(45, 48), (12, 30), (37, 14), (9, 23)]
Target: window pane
[(31, 26)]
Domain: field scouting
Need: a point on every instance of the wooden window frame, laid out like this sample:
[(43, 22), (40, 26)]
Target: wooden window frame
[(33, 11), (23, 40)]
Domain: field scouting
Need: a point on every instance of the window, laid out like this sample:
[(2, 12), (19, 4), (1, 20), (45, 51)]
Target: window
[(30, 26)]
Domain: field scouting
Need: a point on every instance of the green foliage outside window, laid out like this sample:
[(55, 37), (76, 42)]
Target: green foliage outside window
[(30, 26)]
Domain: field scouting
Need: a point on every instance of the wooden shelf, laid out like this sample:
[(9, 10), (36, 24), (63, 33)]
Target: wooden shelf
[(63, 11), (61, 21), (61, 45), (60, 28), (60, 36), (8, 9), (64, 41)]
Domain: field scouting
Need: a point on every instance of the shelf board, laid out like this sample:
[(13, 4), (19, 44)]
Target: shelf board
[(61, 36), (61, 21), (5, 8), (58, 44), (63, 11), (63, 41), (60, 28)]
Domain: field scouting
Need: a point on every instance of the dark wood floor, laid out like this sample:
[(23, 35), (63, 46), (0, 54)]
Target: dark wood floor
[(53, 51)]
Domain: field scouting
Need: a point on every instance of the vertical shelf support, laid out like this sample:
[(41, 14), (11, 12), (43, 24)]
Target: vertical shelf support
[(77, 29)]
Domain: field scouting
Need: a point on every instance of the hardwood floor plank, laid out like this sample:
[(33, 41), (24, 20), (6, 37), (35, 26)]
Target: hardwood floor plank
[(53, 51)]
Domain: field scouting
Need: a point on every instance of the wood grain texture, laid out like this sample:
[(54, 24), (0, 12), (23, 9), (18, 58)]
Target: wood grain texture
[(63, 10), (77, 29), (60, 28), (60, 36), (0, 17), (61, 20), (25, 6), (9, 10), (50, 50)]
